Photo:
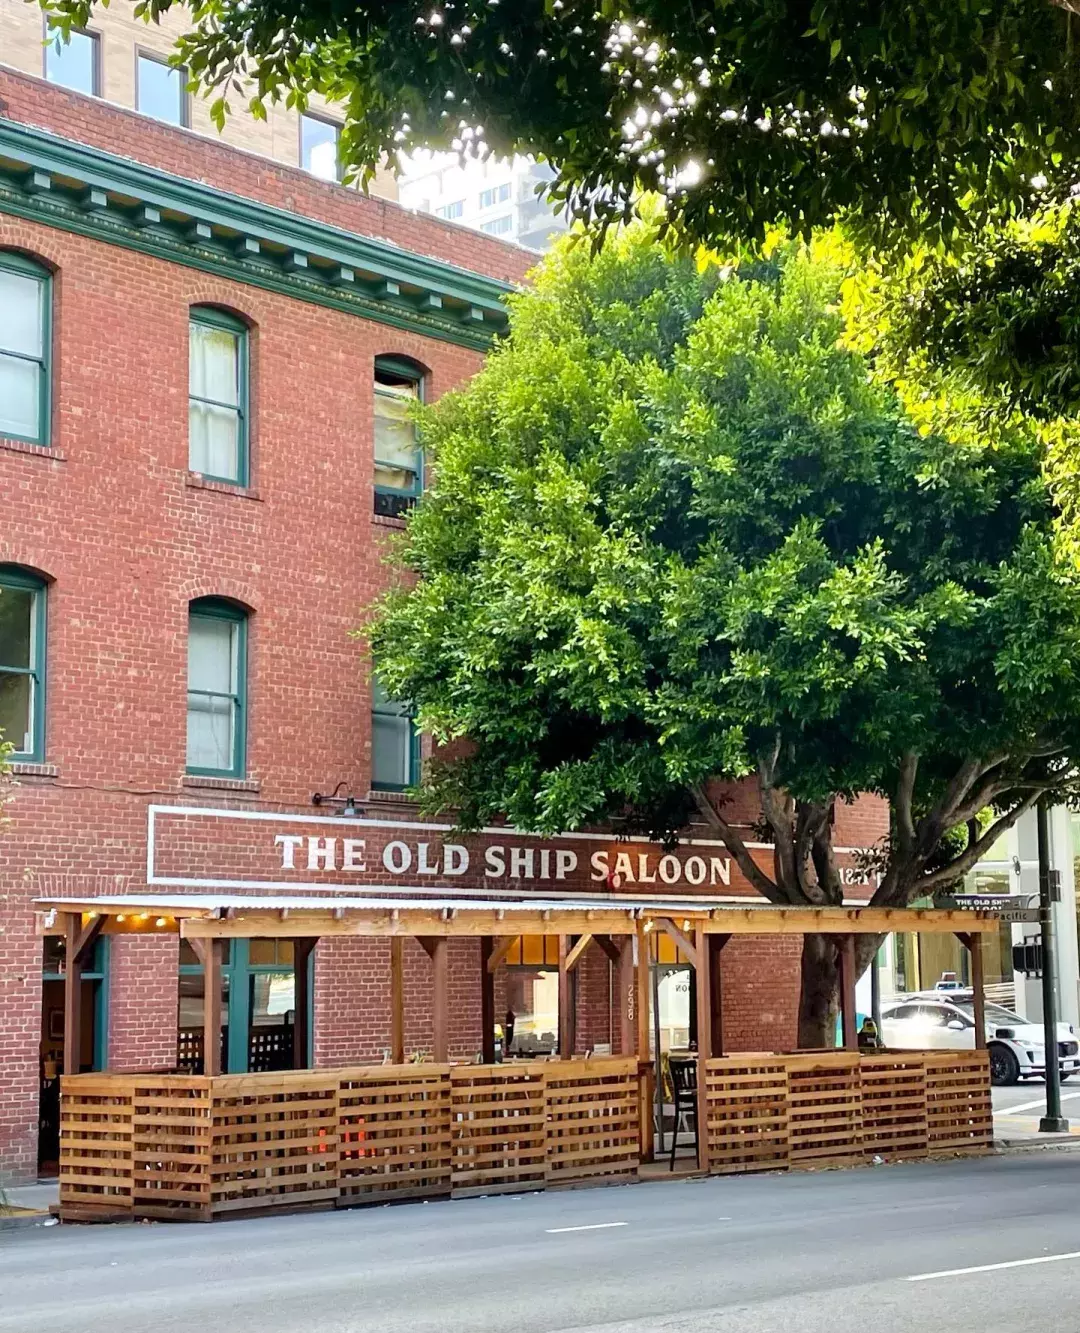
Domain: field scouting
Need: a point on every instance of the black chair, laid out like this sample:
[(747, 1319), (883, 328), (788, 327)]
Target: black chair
[(684, 1087)]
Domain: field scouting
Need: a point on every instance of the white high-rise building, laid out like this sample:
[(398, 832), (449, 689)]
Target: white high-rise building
[(497, 196)]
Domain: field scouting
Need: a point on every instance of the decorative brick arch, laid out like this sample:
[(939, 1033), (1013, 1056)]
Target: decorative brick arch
[(225, 588)]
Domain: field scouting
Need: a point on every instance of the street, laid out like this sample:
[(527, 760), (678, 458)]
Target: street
[(1017, 1109), (840, 1251)]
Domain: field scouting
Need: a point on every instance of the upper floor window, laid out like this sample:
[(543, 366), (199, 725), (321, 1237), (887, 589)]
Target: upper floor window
[(453, 210), (319, 147), (217, 688), (22, 663), (160, 89), (24, 349), (217, 396), (499, 226), (74, 64), (399, 465), (498, 194), (395, 743)]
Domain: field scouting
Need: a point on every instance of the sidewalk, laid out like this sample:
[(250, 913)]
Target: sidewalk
[(28, 1205)]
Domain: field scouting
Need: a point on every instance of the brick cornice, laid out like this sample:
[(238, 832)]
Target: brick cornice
[(76, 188)]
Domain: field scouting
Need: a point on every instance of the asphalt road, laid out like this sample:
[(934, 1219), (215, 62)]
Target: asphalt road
[(828, 1252), (1017, 1110)]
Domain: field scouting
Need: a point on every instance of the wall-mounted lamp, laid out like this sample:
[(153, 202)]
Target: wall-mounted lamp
[(349, 807)]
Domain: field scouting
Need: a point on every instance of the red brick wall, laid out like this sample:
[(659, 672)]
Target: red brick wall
[(192, 156), (143, 998)]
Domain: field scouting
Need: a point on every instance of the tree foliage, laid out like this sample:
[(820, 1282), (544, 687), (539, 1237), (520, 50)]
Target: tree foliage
[(909, 115), (676, 532)]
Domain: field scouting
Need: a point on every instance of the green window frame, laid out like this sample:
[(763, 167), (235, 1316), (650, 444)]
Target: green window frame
[(393, 720), (16, 269), (229, 703), (96, 971), (211, 411), (13, 579), (398, 481)]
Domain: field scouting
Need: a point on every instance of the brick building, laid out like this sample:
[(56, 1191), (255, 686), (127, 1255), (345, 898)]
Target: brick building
[(205, 360)]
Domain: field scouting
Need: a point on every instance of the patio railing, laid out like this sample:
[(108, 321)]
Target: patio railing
[(190, 1147)]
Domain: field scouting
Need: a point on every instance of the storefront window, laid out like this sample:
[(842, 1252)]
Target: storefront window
[(532, 1010)]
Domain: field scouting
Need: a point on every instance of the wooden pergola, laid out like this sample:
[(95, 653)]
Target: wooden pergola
[(921, 1101), (618, 926)]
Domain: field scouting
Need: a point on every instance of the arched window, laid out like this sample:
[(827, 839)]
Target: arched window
[(22, 663), (25, 338), (217, 689), (218, 395), (399, 461)]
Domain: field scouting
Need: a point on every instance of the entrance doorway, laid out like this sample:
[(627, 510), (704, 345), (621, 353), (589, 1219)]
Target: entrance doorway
[(258, 1008), (94, 1030)]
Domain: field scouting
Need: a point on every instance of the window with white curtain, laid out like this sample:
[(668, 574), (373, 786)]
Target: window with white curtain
[(399, 471), (24, 349), (217, 394), (216, 688)]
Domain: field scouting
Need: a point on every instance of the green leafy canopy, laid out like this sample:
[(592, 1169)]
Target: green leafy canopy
[(920, 115), (676, 532)]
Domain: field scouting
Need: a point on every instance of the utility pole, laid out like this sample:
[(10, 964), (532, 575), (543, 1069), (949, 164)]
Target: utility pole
[(1053, 1122)]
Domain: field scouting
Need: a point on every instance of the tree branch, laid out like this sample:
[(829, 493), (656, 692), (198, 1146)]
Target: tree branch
[(739, 850), (975, 851)]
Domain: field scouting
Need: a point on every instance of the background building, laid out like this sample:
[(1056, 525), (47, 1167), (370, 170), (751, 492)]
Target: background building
[(123, 60), (497, 196)]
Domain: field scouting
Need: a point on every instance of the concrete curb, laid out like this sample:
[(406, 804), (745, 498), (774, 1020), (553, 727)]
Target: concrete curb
[(1043, 1142)]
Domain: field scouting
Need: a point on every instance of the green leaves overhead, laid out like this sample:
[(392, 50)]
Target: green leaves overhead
[(658, 549), (913, 117)]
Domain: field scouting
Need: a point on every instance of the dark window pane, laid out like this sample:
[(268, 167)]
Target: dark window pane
[(16, 626), (16, 711)]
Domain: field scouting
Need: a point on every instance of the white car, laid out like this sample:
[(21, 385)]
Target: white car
[(945, 1021)]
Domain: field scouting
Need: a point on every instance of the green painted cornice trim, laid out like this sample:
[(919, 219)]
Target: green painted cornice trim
[(80, 189)]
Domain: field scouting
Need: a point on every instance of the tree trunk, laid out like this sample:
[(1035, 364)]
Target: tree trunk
[(819, 998)]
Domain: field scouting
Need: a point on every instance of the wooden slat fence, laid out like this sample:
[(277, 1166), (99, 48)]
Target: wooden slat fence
[(186, 1147), (831, 1108)]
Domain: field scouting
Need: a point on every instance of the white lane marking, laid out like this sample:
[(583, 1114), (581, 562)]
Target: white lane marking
[(989, 1268), (1034, 1106), (594, 1226)]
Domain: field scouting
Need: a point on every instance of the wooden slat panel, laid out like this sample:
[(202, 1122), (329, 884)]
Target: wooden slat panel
[(95, 1147), (394, 1126), (747, 1114), (497, 1128), (894, 1104), (959, 1113), (824, 1109), (171, 1149), (592, 1125), (274, 1141)]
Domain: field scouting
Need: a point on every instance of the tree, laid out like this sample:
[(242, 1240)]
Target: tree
[(676, 533), (915, 116)]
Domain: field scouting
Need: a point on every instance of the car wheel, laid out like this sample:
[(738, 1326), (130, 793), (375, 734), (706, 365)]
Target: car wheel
[(1004, 1067)]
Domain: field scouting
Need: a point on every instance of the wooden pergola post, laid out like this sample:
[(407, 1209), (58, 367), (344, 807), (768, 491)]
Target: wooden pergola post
[(397, 1000), (487, 1000), (303, 949), (209, 952), (435, 947), (973, 944), (566, 999), (79, 940), (846, 948), (703, 968), (641, 1025), (626, 991)]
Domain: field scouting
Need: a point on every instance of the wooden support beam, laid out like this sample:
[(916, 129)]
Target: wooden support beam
[(79, 940), (397, 1001), (487, 1001), (566, 1001), (973, 944), (500, 950), (574, 956), (435, 947), (613, 950), (626, 987), (682, 941), (303, 949), (212, 1008), (846, 947), (646, 1067), (705, 1044)]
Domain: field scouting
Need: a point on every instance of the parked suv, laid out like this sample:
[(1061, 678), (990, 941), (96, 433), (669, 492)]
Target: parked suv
[(937, 1020)]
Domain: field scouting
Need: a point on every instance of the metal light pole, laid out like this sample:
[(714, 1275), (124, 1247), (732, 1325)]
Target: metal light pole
[(1053, 1122)]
